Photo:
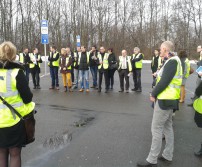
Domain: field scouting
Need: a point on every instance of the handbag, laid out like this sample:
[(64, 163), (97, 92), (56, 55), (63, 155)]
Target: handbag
[(191, 70), (29, 122)]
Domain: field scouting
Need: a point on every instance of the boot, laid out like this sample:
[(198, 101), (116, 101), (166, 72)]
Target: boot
[(70, 89), (65, 88), (182, 97), (199, 153)]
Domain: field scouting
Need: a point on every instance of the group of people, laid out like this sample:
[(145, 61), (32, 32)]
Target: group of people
[(75, 68), (169, 74)]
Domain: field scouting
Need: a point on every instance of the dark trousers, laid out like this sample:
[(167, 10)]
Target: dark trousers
[(124, 74), (93, 70), (35, 77), (137, 78), (72, 74), (154, 81), (111, 77), (105, 73), (27, 71), (54, 76)]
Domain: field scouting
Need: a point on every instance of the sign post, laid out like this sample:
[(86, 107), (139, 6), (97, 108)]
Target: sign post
[(78, 41), (44, 39)]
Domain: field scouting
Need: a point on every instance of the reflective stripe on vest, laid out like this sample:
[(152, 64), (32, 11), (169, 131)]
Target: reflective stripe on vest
[(198, 105), (32, 57), (8, 87), (159, 61), (138, 64), (67, 61), (88, 58), (21, 58), (187, 68), (105, 62), (127, 60), (172, 92), (55, 63)]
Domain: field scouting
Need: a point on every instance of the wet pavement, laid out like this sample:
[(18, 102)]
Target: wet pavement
[(105, 130)]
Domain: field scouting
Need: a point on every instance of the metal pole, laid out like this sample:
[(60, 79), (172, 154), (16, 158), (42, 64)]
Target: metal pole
[(45, 59)]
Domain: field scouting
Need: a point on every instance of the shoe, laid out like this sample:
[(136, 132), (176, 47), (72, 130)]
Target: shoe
[(65, 89), (146, 164), (75, 87), (57, 88), (92, 87), (139, 90), (181, 101), (121, 90), (52, 88), (134, 89), (87, 90), (190, 105), (199, 153), (38, 87), (106, 90), (127, 91), (161, 158), (99, 90), (81, 90)]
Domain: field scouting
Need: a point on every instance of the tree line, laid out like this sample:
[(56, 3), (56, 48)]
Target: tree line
[(121, 24)]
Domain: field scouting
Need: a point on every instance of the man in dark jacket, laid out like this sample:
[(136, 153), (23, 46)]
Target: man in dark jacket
[(77, 56), (137, 67), (166, 96), (94, 65), (24, 59), (83, 63)]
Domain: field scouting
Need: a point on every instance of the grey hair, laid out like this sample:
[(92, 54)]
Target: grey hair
[(136, 48)]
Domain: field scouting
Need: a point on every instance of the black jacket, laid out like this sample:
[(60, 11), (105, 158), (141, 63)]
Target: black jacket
[(26, 60), (92, 61), (84, 65), (21, 82), (112, 60)]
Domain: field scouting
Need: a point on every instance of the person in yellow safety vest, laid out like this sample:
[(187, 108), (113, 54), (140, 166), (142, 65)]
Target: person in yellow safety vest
[(166, 96), (69, 52), (186, 72), (137, 58), (103, 69), (198, 112), (14, 90), (24, 59), (65, 68), (54, 66), (83, 63), (35, 68), (124, 69), (155, 65)]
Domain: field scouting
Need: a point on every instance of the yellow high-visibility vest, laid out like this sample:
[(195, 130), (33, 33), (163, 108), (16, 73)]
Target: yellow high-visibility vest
[(10, 93), (105, 62), (55, 63), (32, 57), (198, 105), (138, 64), (172, 92), (128, 61), (187, 68), (21, 58), (159, 61)]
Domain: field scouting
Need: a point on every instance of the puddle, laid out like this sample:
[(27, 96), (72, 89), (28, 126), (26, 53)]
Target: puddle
[(57, 140), (83, 122)]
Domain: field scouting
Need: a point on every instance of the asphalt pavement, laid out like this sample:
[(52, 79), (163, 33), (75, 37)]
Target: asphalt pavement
[(112, 129)]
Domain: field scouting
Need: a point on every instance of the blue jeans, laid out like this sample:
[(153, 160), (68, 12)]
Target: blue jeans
[(93, 70), (54, 76), (76, 73), (84, 75), (27, 71)]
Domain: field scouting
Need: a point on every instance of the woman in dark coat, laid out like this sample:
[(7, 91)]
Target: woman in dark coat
[(112, 67)]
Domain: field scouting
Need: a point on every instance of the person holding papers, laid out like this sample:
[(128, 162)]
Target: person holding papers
[(34, 66)]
